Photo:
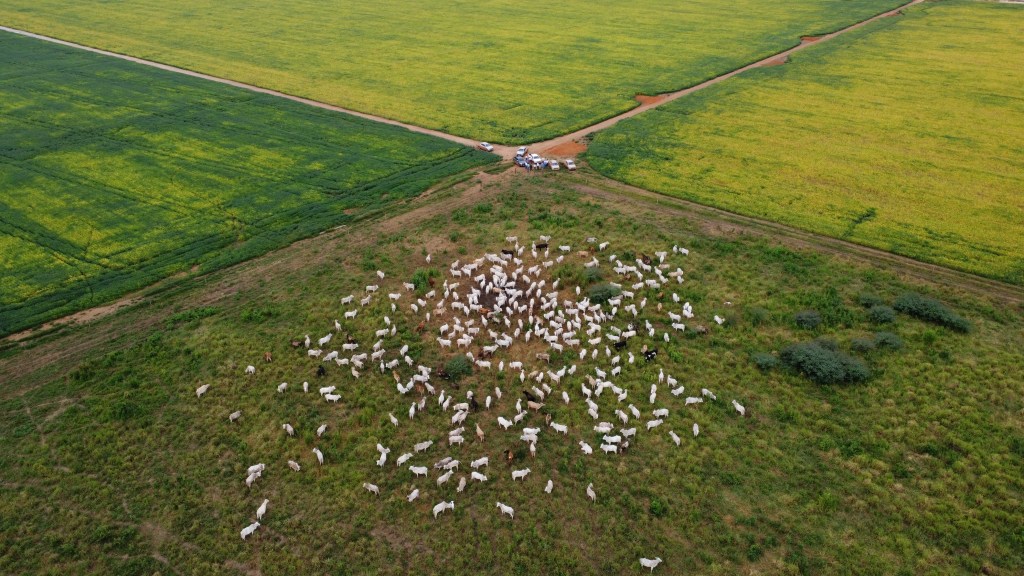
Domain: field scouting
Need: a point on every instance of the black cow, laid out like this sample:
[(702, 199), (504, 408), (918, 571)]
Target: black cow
[(650, 354), (320, 371), (529, 396), (620, 344), (543, 246)]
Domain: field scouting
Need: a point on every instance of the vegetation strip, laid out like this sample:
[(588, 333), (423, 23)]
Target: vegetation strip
[(870, 151), (514, 74), (117, 175)]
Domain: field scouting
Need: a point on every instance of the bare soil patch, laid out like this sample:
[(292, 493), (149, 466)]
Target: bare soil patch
[(645, 99), (566, 149), (774, 62), (809, 39)]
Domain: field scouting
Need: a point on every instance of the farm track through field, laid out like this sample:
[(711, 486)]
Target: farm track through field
[(506, 152), (59, 349)]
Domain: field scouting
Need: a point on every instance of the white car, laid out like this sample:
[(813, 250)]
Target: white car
[(554, 164), (535, 158), (486, 147), (521, 151), (570, 165)]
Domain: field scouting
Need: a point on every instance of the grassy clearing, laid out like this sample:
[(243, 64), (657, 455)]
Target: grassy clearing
[(112, 465), (903, 136), (116, 175), (511, 72)]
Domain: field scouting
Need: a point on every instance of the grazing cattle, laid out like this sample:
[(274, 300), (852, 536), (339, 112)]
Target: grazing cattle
[(550, 485), (441, 507), (294, 465), (739, 408), (652, 564), (202, 390), (267, 357), (248, 530), (250, 370), (506, 509), (234, 415), (371, 488), (520, 474), (413, 495), (321, 371), (478, 477), (590, 492), (319, 456), (332, 397), (418, 470)]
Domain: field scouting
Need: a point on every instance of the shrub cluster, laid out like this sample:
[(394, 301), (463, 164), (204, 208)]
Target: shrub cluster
[(807, 319), (823, 363), (930, 310), (868, 299), (764, 360), (601, 293), (888, 340), (881, 314), (458, 367)]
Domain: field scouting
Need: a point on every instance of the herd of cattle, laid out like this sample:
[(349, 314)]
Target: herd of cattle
[(508, 314)]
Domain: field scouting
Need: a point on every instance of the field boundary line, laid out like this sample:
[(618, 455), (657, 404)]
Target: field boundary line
[(253, 88)]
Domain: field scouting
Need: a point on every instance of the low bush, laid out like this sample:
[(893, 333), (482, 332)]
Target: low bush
[(764, 360), (823, 363), (868, 300), (862, 344), (930, 310), (458, 367), (888, 340), (421, 279), (881, 314), (807, 319), (592, 275), (756, 315), (601, 293)]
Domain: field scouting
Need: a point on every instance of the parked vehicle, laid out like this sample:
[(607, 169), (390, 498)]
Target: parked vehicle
[(554, 164), (521, 151), (570, 165), (486, 147)]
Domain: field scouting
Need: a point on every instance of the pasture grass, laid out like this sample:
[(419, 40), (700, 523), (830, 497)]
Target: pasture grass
[(904, 135), (112, 466), (116, 175), (497, 70)]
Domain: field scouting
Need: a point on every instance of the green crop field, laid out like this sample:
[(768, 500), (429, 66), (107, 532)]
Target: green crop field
[(115, 175), (500, 70), (111, 465), (905, 136)]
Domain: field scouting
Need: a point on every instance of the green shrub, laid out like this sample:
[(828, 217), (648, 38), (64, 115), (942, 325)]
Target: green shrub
[(658, 508), (807, 319), (421, 278), (592, 275), (756, 315), (867, 299), (930, 310), (819, 361), (764, 360), (458, 367), (881, 314), (601, 293), (862, 344), (888, 340)]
